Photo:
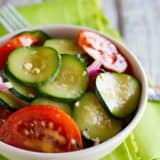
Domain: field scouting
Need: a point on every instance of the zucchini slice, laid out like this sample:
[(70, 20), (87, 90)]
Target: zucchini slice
[(64, 46), (118, 92), (71, 82), (93, 120), (64, 106), (34, 65), (22, 91), (11, 101)]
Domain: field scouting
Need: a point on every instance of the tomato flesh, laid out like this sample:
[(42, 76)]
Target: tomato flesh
[(4, 114), (41, 128), (101, 48), (16, 42)]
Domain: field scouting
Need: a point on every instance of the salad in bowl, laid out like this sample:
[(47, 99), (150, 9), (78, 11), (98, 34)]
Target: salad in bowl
[(67, 92)]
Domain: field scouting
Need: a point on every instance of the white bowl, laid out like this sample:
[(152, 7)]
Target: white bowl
[(95, 152)]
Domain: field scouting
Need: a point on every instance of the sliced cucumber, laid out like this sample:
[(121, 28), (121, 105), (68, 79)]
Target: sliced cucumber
[(64, 106), (93, 120), (118, 92), (11, 101), (71, 82), (64, 46), (34, 65), (22, 91), (40, 35)]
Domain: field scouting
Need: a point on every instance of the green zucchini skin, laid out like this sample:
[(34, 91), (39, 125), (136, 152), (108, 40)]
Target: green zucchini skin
[(71, 82), (64, 46), (119, 93), (11, 101), (34, 66), (20, 90), (93, 120), (48, 101)]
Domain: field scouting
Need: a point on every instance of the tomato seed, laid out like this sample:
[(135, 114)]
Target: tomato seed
[(43, 123), (35, 122), (32, 124), (50, 125), (73, 141), (32, 131), (26, 132)]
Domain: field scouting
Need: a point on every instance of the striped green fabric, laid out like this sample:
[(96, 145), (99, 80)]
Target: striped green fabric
[(144, 142)]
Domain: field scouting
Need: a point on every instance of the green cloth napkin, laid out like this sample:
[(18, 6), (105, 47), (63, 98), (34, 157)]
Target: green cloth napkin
[(78, 12), (144, 142)]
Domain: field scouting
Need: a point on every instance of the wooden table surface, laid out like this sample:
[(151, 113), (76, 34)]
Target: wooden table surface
[(138, 21)]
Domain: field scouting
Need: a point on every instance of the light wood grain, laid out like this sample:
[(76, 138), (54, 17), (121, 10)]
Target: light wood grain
[(19, 2), (141, 31)]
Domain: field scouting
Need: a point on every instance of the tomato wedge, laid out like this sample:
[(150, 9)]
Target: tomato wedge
[(101, 48), (22, 40), (4, 114), (16, 42), (41, 128)]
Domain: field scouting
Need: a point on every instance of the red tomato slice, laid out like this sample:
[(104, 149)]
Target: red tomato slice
[(41, 128), (16, 42), (4, 114), (99, 47)]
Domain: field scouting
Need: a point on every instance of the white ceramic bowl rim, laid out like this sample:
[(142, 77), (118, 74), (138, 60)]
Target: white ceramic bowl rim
[(123, 133)]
